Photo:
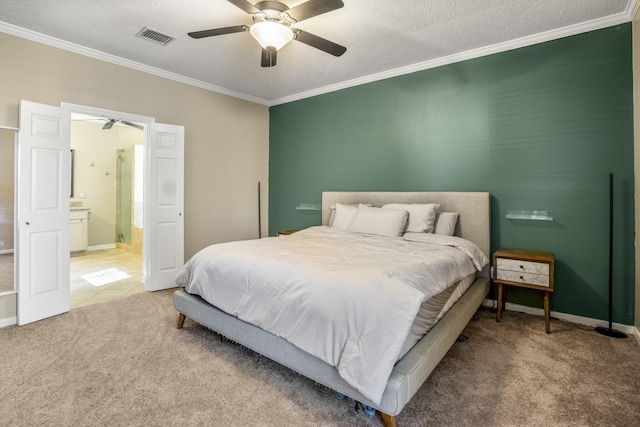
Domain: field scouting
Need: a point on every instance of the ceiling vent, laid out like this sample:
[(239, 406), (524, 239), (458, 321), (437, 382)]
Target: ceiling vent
[(154, 36)]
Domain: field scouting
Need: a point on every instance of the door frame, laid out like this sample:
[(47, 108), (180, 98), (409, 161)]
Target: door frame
[(147, 122), (15, 213)]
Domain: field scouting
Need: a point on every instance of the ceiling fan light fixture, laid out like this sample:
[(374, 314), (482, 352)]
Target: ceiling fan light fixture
[(271, 34)]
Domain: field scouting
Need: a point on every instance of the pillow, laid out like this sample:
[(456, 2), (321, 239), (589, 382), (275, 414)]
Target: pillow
[(343, 216), (446, 223), (421, 216), (332, 214), (381, 222)]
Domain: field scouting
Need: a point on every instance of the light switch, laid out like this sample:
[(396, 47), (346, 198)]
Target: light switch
[(82, 195)]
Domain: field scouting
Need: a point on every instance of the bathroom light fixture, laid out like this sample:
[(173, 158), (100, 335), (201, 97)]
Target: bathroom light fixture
[(271, 34)]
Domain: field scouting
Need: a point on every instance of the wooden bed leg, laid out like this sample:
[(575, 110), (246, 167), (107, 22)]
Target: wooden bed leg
[(388, 420), (181, 318)]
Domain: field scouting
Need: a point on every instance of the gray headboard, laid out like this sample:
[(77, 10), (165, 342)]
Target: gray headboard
[(473, 207)]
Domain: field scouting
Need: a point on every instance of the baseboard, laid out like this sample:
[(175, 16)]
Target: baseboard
[(99, 247), (9, 321), (587, 321), (636, 334)]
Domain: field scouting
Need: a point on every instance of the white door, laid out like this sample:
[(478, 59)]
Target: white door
[(163, 249), (42, 213)]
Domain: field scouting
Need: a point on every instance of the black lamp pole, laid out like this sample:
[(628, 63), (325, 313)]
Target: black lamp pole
[(610, 332)]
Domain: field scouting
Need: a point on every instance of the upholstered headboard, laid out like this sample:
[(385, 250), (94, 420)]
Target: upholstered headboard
[(473, 207)]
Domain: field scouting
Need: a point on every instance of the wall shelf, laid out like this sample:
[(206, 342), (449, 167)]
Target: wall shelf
[(307, 207), (530, 215)]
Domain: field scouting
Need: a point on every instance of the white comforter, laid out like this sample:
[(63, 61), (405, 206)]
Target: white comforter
[(348, 299)]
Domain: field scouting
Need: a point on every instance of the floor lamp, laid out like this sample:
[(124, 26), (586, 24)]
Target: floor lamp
[(609, 331)]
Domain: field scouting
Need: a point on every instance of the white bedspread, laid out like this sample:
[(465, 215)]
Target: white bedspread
[(348, 299)]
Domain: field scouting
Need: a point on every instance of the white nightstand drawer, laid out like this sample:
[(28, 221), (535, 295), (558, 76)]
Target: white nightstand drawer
[(522, 266), (520, 277)]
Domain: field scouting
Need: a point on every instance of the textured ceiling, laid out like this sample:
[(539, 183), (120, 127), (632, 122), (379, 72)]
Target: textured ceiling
[(383, 38)]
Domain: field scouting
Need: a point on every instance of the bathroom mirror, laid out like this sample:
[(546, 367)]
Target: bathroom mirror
[(7, 208)]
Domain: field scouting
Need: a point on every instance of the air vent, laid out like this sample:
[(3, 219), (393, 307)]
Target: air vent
[(154, 36)]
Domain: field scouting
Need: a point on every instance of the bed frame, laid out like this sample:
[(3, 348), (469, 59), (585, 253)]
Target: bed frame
[(412, 370)]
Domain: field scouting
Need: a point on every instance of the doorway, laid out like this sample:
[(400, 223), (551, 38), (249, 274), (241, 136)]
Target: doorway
[(106, 204), (43, 207)]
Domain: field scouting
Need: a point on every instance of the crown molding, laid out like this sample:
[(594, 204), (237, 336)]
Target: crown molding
[(102, 56), (596, 24), (572, 30)]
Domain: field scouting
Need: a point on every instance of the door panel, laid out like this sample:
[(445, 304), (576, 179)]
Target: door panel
[(42, 213), (45, 246), (165, 247)]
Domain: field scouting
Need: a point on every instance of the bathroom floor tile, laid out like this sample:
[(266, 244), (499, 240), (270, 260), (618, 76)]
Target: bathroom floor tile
[(84, 293)]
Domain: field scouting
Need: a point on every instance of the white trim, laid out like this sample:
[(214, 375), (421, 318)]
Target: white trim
[(99, 247), (6, 251), (9, 128), (632, 9), (9, 321), (5, 293), (596, 24), (24, 33), (587, 321)]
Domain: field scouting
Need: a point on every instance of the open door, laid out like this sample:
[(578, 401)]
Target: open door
[(163, 249), (42, 205), (42, 250)]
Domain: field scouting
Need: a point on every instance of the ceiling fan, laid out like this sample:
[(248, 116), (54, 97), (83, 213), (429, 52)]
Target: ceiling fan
[(271, 26), (111, 122)]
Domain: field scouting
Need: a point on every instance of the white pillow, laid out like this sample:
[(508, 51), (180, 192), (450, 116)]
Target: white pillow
[(446, 223), (332, 214), (422, 217), (381, 222), (343, 216)]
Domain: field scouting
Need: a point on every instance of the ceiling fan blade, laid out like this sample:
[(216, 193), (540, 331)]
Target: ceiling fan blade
[(244, 5), (268, 58), (135, 125), (313, 8), (109, 124), (320, 43), (217, 31)]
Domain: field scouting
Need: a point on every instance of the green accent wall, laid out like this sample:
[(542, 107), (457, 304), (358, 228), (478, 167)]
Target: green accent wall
[(540, 128)]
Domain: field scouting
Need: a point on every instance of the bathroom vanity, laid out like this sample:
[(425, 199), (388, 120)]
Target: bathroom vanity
[(79, 229)]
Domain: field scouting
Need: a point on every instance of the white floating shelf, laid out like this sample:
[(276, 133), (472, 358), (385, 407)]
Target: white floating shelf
[(307, 207), (530, 215)]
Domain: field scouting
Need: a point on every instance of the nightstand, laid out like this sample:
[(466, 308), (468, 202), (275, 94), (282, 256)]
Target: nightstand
[(526, 269), (286, 232)]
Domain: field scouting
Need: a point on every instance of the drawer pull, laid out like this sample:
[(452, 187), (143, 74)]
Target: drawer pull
[(521, 278), (522, 266)]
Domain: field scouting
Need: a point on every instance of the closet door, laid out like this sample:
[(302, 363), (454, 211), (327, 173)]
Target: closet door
[(43, 213)]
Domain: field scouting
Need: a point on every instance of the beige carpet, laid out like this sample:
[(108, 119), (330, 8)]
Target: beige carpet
[(124, 363)]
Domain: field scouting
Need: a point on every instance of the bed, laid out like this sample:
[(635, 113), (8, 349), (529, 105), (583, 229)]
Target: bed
[(406, 374)]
